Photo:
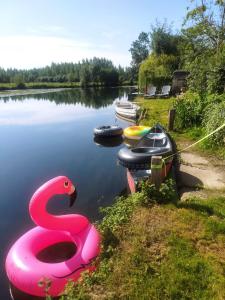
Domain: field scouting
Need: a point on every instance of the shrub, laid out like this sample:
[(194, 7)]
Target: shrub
[(216, 80), (166, 193), (215, 98), (215, 117), (21, 85), (120, 212), (189, 110)]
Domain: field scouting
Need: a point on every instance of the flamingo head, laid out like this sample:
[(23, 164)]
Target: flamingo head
[(65, 186)]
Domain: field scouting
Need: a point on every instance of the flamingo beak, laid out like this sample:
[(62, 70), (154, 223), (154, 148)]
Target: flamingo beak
[(73, 195)]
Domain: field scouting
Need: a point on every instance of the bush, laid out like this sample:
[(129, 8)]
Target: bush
[(166, 193), (189, 110), (215, 99), (21, 86), (216, 80), (215, 117), (120, 212)]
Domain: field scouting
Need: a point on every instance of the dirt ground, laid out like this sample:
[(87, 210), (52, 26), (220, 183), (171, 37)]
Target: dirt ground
[(199, 175)]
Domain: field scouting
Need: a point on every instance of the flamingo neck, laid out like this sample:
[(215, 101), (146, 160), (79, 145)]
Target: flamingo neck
[(73, 223)]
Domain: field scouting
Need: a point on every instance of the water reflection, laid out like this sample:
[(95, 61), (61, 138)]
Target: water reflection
[(90, 97), (50, 108), (108, 141), (35, 112)]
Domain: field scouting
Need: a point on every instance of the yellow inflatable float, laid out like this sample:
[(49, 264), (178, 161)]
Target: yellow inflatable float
[(135, 132)]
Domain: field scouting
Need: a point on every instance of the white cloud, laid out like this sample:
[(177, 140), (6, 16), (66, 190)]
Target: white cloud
[(34, 112), (28, 51), (47, 29)]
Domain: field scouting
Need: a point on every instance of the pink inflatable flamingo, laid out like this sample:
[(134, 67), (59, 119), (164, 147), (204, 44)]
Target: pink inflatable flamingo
[(25, 271)]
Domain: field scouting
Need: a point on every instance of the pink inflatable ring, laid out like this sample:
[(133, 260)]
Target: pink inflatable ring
[(28, 273)]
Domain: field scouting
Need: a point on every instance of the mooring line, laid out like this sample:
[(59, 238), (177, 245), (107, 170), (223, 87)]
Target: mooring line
[(205, 137)]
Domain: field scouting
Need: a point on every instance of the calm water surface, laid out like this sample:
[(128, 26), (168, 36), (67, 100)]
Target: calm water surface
[(46, 135)]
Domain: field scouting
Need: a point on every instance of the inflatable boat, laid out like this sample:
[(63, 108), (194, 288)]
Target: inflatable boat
[(156, 142)]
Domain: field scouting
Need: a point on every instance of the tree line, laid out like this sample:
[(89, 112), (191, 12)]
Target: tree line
[(96, 71)]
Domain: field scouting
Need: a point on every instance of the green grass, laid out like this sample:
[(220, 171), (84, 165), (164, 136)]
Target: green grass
[(157, 110), (194, 134), (52, 84), (213, 210), (156, 258), (152, 251), (6, 86), (184, 274), (210, 207), (37, 85)]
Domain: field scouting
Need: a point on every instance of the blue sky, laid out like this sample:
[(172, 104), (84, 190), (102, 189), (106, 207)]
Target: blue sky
[(34, 33)]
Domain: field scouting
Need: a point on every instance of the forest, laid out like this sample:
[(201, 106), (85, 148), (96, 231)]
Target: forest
[(94, 72)]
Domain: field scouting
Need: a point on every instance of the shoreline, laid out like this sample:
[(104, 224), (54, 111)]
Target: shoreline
[(10, 92), (24, 92)]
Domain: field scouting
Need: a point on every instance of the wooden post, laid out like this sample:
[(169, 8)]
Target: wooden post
[(171, 119), (156, 171), (141, 116)]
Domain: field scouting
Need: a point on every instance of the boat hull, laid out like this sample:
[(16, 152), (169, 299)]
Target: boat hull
[(127, 110), (154, 143), (136, 176), (137, 159)]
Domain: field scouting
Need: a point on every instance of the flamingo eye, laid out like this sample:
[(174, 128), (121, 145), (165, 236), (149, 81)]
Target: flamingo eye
[(66, 184)]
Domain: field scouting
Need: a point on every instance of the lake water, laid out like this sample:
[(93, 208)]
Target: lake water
[(51, 134)]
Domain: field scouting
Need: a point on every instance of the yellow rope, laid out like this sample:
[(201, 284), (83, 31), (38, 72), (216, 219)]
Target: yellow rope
[(205, 137), (164, 159)]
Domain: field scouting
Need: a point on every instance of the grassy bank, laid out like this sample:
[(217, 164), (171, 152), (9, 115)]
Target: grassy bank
[(157, 111), (155, 250), (38, 85), (194, 134), (156, 247)]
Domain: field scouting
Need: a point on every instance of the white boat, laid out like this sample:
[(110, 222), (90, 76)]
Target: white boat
[(127, 109), (123, 103)]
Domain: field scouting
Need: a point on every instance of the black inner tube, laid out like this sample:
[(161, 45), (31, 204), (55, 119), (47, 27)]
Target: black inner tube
[(105, 127)]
